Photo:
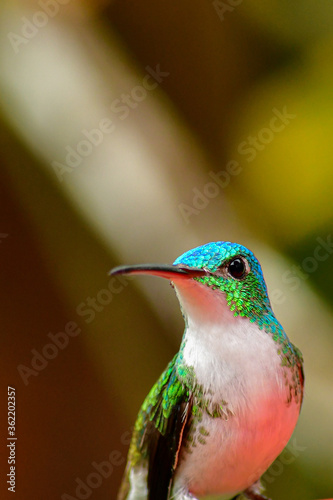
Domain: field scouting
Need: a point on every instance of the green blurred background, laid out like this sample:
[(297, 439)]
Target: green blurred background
[(131, 132)]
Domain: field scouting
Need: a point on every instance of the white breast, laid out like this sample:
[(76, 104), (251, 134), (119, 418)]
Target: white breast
[(237, 362)]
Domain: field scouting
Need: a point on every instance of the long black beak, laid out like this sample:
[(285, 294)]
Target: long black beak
[(161, 270)]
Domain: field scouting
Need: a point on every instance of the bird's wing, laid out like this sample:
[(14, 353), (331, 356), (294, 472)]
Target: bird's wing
[(163, 450), (159, 431), (300, 371), (301, 378)]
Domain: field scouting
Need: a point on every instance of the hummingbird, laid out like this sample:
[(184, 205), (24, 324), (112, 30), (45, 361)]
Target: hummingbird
[(227, 404)]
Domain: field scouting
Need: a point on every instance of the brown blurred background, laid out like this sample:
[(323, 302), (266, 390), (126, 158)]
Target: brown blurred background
[(131, 132)]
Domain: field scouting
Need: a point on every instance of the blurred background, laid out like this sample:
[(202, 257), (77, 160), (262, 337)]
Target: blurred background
[(132, 132)]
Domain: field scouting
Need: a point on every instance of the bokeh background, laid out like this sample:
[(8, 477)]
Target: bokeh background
[(132, 131)]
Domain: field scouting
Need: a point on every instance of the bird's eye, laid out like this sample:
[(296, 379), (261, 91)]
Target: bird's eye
[(237, 268)]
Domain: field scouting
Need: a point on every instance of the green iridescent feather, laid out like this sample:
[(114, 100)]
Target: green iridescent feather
[(157, 408)]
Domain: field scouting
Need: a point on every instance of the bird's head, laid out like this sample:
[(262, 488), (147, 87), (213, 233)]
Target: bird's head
[(216, 273)]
